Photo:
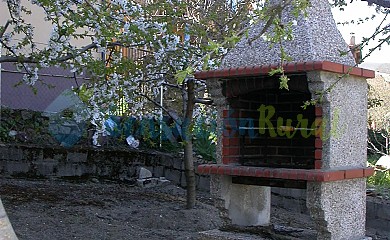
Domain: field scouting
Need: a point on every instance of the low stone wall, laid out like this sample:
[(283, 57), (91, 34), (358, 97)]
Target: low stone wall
[(290, 199), (109, 163), (377, 213)]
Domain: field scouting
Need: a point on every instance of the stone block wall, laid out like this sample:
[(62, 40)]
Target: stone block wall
[(117, 164), (294, 200)]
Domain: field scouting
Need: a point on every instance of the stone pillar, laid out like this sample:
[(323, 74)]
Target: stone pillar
[(339, 207), (249, 205), (243, 205)]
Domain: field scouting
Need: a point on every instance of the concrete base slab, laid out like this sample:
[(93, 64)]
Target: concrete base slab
[(259, 233), (216, 234), (246, 205)]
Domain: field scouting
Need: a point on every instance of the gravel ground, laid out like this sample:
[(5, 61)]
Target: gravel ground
[(48, 210), (58, 209)]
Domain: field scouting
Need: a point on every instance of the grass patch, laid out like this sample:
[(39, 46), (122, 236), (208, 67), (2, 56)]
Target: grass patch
[(380, 181), (381, 178)]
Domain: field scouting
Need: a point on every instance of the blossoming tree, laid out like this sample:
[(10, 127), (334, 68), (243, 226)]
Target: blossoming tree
[(171, 40)]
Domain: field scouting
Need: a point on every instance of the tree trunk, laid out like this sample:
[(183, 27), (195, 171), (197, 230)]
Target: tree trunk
[(190, 174), (188, 151), (6, 230)]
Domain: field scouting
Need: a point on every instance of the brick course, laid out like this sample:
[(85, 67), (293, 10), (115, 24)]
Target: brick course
[(287, 174)]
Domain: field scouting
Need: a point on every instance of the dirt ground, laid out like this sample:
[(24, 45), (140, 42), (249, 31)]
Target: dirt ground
[(58, 209)]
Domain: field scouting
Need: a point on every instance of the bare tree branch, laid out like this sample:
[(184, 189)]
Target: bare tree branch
[(200, 89), (172, 85), (33, 60), (61, 59), (204, 101), (5, 28), (163, 108)]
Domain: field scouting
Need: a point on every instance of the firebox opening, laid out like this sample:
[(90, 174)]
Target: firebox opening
[(274, 129)]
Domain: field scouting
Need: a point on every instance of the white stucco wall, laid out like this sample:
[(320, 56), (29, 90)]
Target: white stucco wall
[(42, 28)]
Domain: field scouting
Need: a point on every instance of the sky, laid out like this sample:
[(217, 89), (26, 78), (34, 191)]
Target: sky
[(356, 10)]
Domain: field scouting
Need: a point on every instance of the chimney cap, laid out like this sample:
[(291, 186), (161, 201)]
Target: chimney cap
[(352, 42), (316, 38)]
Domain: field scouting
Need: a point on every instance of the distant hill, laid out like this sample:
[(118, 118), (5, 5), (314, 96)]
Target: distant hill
[(378, 67), (380, 89)]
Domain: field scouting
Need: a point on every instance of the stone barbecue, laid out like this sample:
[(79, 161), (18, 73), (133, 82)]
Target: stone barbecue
[(264, 126), (267, 139)]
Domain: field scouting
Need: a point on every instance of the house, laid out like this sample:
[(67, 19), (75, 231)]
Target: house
[(379, 88), (50, 94), (356, 49), (57, 80)]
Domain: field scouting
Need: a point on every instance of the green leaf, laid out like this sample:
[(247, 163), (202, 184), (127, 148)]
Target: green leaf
[(305, 105), (232, 40), (180, 76), (343, 53), (213, 46), (278, 70), (246, 34), (206, 62), (284, 82)]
